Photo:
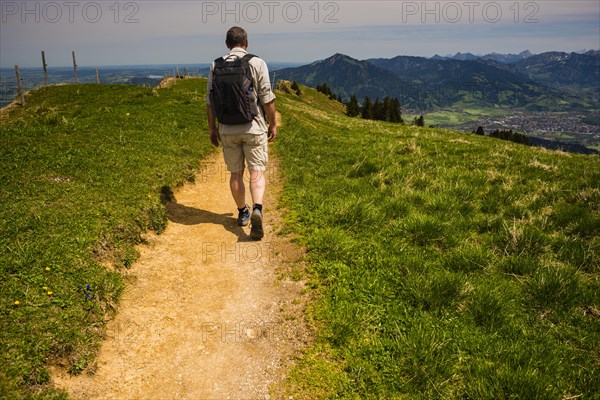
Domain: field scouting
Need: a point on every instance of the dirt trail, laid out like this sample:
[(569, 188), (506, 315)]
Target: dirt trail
[(205, 314)]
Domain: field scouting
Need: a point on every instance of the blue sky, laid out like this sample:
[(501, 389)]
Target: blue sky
[(178, 32)]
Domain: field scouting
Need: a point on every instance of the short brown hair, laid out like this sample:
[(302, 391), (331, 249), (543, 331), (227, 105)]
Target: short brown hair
[(236, 36)]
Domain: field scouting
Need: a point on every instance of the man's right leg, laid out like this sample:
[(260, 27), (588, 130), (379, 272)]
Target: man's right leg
[(238, 189), (233, 154)]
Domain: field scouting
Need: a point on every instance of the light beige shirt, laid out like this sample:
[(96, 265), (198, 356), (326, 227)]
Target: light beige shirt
[(262, 87)]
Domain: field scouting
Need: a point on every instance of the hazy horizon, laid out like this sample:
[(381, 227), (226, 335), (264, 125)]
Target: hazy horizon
[(193, 32), (205, 64)]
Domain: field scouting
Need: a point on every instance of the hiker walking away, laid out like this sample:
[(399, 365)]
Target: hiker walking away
[(239, 98)]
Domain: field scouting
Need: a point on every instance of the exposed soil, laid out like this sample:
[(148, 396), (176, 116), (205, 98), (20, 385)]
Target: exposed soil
[(167, 82), (207, 312)]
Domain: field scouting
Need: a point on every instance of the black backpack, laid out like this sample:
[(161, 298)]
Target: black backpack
[(232, 94)]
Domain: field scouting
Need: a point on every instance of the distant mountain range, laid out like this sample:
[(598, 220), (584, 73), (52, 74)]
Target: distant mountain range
[(556, 68), (501, 58), (545, 82), (347, 76)]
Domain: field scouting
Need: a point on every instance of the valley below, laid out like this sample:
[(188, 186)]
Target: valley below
[(565, 127)]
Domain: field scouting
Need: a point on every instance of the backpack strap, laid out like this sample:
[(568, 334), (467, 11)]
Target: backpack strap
[(247, 57), (245, 60)]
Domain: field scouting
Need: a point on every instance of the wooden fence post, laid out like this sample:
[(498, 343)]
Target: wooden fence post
[(44, 65), (97, 76), (74, 67), (19, 86)]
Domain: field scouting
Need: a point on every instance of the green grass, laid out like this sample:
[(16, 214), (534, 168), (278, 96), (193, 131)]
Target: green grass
[(447, 265), (82, 167), (448, 117), (459, 115)]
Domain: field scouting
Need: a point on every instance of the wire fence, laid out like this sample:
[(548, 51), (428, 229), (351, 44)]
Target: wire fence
[(35, 77)]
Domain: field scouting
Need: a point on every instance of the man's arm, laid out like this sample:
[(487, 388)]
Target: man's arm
[(266, 97), (212, 126), (272, 119)]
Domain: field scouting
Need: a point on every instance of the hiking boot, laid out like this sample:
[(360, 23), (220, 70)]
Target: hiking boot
[(256, 230), (243, 216)]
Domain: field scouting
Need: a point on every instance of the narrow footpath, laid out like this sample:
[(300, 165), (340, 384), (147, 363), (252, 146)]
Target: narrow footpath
[(207, 312)]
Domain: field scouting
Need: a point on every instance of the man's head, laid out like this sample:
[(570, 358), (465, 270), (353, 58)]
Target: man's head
[(236, 37)]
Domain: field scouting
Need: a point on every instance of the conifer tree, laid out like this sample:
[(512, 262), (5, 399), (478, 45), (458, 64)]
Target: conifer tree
[(352, 108), (296, 88), (419, 121), (395, 113), (387, 109), (367, 108), (378, 110)]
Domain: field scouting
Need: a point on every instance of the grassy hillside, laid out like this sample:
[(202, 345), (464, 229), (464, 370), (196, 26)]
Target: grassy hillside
[(447, 265), (82, 167)]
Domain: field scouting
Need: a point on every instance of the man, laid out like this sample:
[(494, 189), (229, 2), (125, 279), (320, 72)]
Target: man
[(246, 142)]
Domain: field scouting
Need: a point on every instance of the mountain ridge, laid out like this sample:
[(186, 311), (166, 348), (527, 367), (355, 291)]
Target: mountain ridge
[(499, 57), (347, 76), (426, 84)]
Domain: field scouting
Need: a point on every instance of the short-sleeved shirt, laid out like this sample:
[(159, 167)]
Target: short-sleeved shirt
[(262, 87)]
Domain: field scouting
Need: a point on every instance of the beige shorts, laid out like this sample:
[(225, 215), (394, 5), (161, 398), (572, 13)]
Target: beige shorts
[(249, 147)]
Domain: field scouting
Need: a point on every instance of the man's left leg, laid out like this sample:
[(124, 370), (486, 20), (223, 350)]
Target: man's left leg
[(257, 186)]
